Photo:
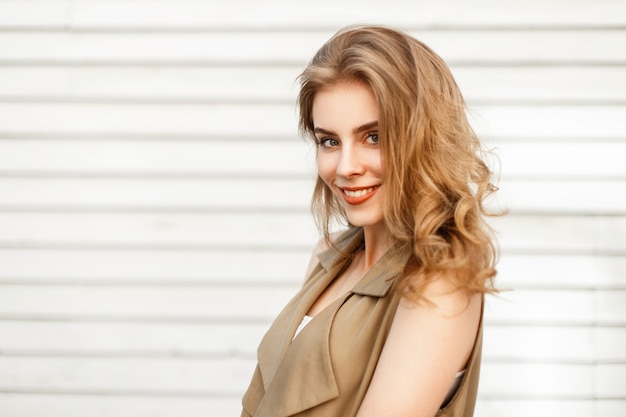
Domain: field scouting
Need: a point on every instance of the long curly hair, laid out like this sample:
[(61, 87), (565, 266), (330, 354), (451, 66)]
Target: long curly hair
[(434, 172)]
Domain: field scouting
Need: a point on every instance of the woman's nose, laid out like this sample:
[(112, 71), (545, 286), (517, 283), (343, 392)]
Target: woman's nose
[(350, 162)]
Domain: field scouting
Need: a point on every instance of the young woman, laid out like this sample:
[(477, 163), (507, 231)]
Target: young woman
[(388, 322)]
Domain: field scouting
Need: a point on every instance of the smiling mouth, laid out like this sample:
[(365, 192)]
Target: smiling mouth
[(358, 193), (357, 196)]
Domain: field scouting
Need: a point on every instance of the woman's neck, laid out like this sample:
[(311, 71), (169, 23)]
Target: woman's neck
[(377, 241)]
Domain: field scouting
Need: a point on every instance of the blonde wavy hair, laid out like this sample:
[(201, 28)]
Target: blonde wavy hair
[(434, 173)]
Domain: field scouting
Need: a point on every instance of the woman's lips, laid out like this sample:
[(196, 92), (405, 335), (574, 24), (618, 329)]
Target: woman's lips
[(354, 195)]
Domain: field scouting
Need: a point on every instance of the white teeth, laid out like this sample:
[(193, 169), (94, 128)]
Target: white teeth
[(358, 193)]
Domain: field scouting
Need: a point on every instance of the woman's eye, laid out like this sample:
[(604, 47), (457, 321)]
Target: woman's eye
[(372, 138), (327, 142)]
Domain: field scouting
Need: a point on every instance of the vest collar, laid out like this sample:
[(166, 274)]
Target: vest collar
[(278, 357), (379, 279)]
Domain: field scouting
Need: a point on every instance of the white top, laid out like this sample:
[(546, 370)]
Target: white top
[(304, 322), (453, 388)]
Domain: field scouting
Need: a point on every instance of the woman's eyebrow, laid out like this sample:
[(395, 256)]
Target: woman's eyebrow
[(362, 128), (323, 131), (366, 126)]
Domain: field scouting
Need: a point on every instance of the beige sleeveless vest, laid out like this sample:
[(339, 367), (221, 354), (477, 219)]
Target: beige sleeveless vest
[(326, 370)]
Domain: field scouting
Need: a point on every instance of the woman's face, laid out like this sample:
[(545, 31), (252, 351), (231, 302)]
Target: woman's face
[(345, 120)]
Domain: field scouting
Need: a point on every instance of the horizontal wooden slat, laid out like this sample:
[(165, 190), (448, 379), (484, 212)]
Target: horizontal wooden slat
[(546, 380), (561, 234), (536, 344), (156, 193), (271, 83), (189, 304), (36, 405), (223, 231), (497, 407), (254, 158), (611, 307), (215, 304), (610, 407), (611, 342), (214, 14), (219, 266), (174, 267), (582, 196), (194, 377), (175, 121), (40, 404), (153, 48), (150, 376), (563, 307), (538, 381), (264, 265), (588, 123), (268, 121), (554, 271), (15, 13), (612, 234), (217, 158), (541, 84), (516, 234), (541, 343), (611, 380), (288, 193), (204, 83), (541, 123), (296, 48), (143, 340), (544, 344)]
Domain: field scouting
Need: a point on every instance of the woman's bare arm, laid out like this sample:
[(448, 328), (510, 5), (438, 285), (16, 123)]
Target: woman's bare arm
[(426, 347)]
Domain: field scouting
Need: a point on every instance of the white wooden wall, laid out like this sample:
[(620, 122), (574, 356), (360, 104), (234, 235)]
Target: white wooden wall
[(154, 195)]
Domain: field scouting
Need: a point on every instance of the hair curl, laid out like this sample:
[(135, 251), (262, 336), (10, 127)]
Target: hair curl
[(435, 177)]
